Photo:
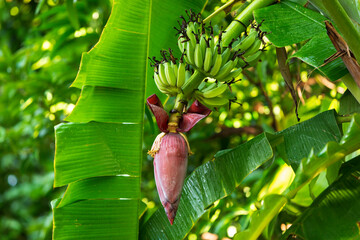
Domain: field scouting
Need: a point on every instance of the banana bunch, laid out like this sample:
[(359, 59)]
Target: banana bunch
[(224, 63), (214, 95), (169, 76)]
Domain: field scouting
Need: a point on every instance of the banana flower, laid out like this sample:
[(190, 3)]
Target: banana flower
[(170, 151)]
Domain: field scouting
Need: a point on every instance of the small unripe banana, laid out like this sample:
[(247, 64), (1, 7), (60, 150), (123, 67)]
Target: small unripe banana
[(253, 59), (170, 75), (208, 59), (175, 68), (181, 45), (216, 91), (190, 30), (225, 56), (247, 42), (225, 70), (198, 56), (162, 74), (189, 52), (232, 75), (203, 44), (216, 66), (213, 102), (181, 75), (209, 87), (187, 75), (255, 47)]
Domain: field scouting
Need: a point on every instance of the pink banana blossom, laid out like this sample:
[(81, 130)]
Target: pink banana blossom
[(171, 150)]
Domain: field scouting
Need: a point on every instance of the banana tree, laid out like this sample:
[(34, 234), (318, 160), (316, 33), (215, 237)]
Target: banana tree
[(98, 151)]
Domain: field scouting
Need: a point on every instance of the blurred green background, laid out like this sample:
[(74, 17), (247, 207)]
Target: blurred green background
[(41, 43)]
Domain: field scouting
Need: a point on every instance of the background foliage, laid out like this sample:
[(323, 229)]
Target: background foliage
[(40, 49)]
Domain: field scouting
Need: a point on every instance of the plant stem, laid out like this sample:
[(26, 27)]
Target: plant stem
[(224, 8), (344, 23), (236, 27)]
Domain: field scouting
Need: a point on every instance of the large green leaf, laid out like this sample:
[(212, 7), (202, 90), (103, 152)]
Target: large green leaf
[(289, 23), (96, 149), (336, 211), (218, 178), (99, 155), (97, 219)]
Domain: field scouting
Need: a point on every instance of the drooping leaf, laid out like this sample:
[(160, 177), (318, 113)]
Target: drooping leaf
[(336, 212)]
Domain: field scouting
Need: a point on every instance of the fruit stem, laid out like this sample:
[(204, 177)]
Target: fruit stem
[(244, 18), (224, 9)]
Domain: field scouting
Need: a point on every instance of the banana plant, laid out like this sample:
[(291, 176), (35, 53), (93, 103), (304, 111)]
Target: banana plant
[(98, 152)]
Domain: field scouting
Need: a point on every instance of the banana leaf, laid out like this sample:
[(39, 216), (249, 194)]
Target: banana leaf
[(288, 23), (99, 153), (335, 211)]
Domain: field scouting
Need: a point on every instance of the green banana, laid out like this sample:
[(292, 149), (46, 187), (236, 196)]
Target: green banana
[(175, 68), (255, 47), (232, 75), (212, 43), (181, 75), (254, 58), (241, 63), (209, 87), (159, 84), (247, 42), (189, 52), (225, 70), (216, 66), (214, 102), (198, 56), (215, 91), (203, 43), (187, 75), (163, 75), (169, 73), (189, 31), (208, 59), (225, 56), (181, 45)]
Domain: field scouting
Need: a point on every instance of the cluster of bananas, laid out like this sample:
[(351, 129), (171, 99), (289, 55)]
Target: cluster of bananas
[(202, 51), (224, 63), (169, 76), (215, 94)]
